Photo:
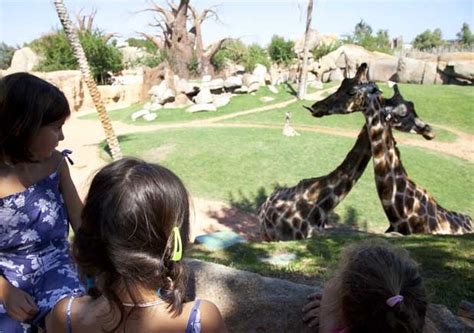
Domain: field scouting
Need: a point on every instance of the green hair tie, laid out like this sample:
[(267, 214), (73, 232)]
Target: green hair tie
[(177, 245)]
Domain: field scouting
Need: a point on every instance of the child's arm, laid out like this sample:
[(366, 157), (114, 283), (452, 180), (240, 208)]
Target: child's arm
[(71, 197), (211, 318), (18, 304)]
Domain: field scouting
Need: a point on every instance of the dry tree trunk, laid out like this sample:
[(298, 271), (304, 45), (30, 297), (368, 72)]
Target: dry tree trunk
[(86, 75), (304, 66)]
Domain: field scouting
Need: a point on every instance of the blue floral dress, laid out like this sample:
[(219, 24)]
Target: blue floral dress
[(34, 250)]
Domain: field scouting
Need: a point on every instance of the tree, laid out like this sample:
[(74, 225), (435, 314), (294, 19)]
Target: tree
[(183, 46), (465, 36), (86, 75), (304, 66), (428, 40), (281, 51), (6, 55), (363, 36), (57, 54)]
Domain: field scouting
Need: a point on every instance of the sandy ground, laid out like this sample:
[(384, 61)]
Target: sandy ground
[(83, 137)]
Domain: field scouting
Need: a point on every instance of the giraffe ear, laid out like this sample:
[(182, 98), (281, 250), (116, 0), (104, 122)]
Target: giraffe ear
[(361, 74)]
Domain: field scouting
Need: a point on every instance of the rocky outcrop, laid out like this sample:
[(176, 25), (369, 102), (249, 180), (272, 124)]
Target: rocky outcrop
[(414, 67), (24, 60)]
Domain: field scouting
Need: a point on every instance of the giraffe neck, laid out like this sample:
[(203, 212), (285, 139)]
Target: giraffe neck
[(334, 187), (388, 169)]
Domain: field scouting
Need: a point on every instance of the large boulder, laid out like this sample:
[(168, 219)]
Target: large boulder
[(71, 84), (249, 302), (260, 71), (410, 70), (456, 56), (24, 60), (461, 69), (383, 69)]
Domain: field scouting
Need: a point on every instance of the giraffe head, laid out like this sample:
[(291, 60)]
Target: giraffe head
[(402, 116), (350, 97)]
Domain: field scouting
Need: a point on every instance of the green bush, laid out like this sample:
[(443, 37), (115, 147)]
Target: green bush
[(323, 49), (428, 40), (146, 44), (6, 55), (233, 50), (255, 55), (281, 51), (57, 54), (363, 36)]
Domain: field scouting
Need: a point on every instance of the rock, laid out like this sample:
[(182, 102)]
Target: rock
[(249, 302), (216, 84), (182, 100), (336, 75), (383, 69), (71, 84), (430, 74), (466, 310), (444, 320), (241, 90), (233, 82), (253, 87), (267, 99), (139, 114), (461, 69), (24, 60), (425, 56), (201, 107), (273, 89), (248, 79), (203, 97), (221, 100), (260, 72), (410, 70), (150, 116), (206, 78)]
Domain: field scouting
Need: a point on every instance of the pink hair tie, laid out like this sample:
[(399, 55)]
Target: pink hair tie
[(394, 300)]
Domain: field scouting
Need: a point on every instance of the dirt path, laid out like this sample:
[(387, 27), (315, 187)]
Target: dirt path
[(84, 136)]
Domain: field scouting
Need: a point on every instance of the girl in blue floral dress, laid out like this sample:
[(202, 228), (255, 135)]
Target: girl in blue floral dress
[(37, 199)]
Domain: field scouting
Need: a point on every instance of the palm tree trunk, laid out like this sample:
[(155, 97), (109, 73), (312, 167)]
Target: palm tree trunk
[(304, 66), (86, 75)]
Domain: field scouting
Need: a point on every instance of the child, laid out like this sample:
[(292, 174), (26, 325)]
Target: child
[(129, 249), (37, 199), (378, 289)]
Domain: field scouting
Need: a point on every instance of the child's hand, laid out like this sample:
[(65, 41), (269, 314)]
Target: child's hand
[(18, 304), (311, 310)]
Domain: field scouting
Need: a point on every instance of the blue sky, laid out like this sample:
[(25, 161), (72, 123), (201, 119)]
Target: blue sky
[(251, 20)]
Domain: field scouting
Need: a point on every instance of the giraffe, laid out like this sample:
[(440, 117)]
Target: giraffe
[(408, 207), (301, 211)]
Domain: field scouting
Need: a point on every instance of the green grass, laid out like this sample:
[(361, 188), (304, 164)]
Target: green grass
[(242, 166), (302, 117), (446, 262)]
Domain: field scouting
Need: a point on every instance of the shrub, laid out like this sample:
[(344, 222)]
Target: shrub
[(428, 40), (6, 55), (233, 50), (145, 44), (57, 54), (281, 51), (323, 49), (255, 55)]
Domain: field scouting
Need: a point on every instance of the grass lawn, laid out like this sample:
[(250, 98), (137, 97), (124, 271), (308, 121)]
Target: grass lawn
[(446, 261), (243, 165)]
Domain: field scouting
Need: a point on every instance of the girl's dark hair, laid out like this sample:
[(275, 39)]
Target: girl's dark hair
[(370, 274), (126, 235), (26, 104)]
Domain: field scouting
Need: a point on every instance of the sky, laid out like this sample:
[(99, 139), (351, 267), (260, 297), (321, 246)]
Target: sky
[(253, 21)]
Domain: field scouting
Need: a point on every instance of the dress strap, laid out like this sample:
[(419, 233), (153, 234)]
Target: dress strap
[(66, 153), (194, 321), (68, 315)]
